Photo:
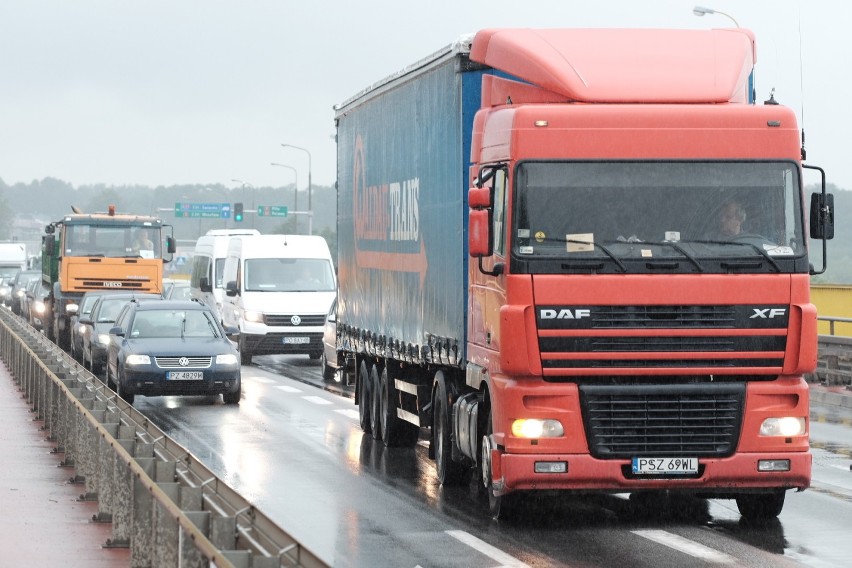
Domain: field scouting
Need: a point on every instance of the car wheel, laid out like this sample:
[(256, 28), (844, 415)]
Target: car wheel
[(121, 388), (233, 397), (328, 371), (364, 397)]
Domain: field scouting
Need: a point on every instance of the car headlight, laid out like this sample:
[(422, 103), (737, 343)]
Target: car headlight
[(535, 428), (785, 426), (39, 307), (19, 293), (103, 338), (137, 360), (4, 290), (249, 315), (226, 359)]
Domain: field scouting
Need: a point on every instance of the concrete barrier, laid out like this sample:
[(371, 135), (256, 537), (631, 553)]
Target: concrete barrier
[(162, 503)]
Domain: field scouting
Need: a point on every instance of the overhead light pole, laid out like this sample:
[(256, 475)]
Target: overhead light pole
[(700, 11), (310, 205), (295, 192)]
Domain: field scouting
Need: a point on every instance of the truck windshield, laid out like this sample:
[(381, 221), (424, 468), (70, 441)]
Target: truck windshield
[(698, 216), (115, 241)]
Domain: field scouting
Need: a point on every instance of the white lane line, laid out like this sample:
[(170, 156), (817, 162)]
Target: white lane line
[(504, 559), (263, 380), (686, 546), (349, 413), (287, 388), (316, 400)]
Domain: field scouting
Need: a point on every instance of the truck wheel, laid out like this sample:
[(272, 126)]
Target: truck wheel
[(449, 472), (375, 403), (761, 506), (500, 507), (395, 431), (364, 397)]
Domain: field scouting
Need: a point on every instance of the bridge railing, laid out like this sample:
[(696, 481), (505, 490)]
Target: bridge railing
[(162, 502), (834, 361)]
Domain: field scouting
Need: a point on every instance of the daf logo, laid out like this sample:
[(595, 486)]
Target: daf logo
[(295, 320), (768, 313), (566, 313), (183, 361), (112, 284)]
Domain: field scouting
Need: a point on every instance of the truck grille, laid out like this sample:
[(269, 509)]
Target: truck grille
[(697, 420)]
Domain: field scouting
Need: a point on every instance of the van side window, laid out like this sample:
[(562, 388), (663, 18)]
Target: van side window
[(200, 269)]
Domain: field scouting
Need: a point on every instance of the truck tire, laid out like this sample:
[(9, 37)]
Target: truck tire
[(500, 507), (363, 386), (449, 472), (395, 431), (761, 506), (375, 403)]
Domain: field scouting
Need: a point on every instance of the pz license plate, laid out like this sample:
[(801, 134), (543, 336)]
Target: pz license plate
[(186, 375), (665, 466), (296, 340)]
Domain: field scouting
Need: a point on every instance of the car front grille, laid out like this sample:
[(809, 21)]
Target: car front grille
[(191, 362)]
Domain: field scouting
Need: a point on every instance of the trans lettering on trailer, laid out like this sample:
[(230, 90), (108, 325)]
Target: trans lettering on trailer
[(388, 211)]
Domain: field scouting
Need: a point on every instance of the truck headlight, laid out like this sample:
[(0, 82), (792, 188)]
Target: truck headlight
[(226, 359), (72, 308), (137, 360), (785, 426), (535, 428), (249, 315)]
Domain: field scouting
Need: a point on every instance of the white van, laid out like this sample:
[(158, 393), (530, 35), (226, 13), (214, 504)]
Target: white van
[(208, 263), (278, 289)]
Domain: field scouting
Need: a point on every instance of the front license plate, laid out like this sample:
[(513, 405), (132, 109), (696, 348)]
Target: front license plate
[(186, 375), (297, 340), (665, 466)]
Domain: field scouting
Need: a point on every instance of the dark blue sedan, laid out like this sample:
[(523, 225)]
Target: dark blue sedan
[(171, 348)]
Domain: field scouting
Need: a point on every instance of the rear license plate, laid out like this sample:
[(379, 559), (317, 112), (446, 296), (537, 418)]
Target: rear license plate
[(185, 375), (297, 340), (665, 466)]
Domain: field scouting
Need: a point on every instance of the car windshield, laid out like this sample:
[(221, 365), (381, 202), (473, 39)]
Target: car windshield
[(173, 323), (109, 309), (289, 275)]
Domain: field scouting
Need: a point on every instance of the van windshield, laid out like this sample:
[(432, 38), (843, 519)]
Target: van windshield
[(288, 275)]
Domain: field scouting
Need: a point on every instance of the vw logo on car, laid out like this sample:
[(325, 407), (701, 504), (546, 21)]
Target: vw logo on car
[(295, 320)]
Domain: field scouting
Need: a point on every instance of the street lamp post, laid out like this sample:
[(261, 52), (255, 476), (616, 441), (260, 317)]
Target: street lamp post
[(295, 193), (244, 185), (310, 207), (700, 11)]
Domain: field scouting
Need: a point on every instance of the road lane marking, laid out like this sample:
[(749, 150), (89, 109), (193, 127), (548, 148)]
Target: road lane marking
[(316, 400), (264, 380), (504, 559), (287, 388), (348, 412), (686, 546)]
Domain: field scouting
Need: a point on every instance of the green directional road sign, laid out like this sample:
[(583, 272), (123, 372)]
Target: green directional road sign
[(271, 210), (203, 210)]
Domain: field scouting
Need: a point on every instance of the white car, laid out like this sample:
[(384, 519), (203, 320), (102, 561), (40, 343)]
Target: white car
[(328, 360)]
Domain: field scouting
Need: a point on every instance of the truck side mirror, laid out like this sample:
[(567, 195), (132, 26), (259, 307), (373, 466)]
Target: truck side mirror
[(822, 216), (204, 284), (479, 198), (480, 242), (231, 288), (171, 245)]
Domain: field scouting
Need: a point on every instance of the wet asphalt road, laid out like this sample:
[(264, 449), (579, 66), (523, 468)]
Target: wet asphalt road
[(294, 448)]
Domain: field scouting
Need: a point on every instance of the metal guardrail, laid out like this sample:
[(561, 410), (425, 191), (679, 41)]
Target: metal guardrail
[(162, 502), (832, 320)]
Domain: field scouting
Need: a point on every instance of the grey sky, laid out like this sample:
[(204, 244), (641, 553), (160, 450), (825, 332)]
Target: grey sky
[(166, 92)]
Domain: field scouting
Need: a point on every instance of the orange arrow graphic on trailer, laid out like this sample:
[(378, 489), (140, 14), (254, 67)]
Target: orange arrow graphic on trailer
[(394, 261)]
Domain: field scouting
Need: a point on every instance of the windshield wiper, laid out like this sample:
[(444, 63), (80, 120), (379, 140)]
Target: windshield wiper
[(679, 249), (759, 250), (606, 251)]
